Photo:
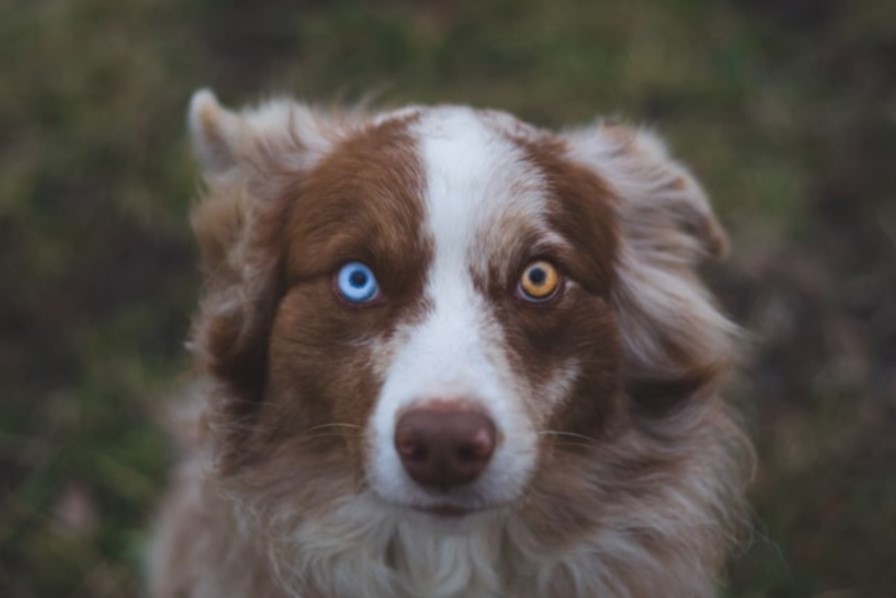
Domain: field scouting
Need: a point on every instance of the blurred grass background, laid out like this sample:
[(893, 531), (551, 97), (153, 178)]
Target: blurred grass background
[(786, 109)]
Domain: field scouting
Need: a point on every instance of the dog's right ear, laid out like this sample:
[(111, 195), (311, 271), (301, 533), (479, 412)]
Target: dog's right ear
[(253, 162), (249, 160)]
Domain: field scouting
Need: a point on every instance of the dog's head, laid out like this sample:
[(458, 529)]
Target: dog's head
[(438, 304)]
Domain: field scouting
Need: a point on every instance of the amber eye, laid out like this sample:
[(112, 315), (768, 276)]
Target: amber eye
[(539, 282)]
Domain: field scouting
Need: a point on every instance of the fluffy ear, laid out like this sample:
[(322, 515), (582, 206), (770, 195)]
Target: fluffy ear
[(249, 160), (676, 341), (664, 210), (277, 135), (253, 162)]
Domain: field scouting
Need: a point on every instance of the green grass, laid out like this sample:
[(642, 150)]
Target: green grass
[(784, 109)]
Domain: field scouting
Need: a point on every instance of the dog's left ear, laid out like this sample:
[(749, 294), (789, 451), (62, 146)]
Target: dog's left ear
[(663, 208), (675, 340)]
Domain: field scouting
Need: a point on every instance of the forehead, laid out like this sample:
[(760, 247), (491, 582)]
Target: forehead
[(480, 184), (497, 191), (455, 181), (475, 173)]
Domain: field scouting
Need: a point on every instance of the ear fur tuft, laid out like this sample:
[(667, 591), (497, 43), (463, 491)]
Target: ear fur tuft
[(663, 208), (215, 132)]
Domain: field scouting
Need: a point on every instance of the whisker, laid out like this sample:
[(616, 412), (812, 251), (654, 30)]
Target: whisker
[(567, 434), (329, 435), (335, 425), (568, 444)]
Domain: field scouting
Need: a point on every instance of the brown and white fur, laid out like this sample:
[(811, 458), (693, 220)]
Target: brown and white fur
[(618, 470)]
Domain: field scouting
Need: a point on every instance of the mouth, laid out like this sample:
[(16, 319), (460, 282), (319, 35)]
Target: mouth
[(447, 511)]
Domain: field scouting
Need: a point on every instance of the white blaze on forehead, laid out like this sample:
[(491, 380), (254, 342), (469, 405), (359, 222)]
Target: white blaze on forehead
[(476, 179)]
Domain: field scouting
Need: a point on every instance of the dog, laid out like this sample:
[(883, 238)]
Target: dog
[(442, 353)]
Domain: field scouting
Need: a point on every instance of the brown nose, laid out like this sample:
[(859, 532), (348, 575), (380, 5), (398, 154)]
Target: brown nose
[(442, 447)]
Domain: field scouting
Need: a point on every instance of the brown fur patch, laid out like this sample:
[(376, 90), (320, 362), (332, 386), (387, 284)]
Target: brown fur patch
[(362, 202), (578, 327)]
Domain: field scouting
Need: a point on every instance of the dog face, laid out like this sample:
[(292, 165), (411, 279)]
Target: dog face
[(446, 213), (440, 306)]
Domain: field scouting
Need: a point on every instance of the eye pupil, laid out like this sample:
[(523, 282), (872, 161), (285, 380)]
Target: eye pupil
[(358, 278), (537, 276)]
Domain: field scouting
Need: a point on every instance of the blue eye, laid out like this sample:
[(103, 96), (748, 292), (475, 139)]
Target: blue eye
[(356, 283)]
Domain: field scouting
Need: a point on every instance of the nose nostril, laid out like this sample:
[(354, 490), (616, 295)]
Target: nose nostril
[(412, 449), (467, 453), (480, 445)]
